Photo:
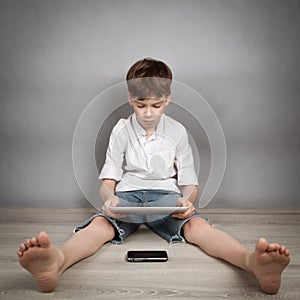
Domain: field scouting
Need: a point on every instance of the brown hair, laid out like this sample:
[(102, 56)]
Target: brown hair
[(149, 78)]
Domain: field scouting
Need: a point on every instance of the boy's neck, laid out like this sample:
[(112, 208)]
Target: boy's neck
[(149, 133)]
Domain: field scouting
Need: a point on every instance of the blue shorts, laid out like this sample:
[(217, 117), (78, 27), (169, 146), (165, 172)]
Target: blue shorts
[(165, 226)]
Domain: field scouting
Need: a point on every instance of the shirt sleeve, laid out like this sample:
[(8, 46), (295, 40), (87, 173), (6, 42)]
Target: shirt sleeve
[(186, 174), (113, 166)]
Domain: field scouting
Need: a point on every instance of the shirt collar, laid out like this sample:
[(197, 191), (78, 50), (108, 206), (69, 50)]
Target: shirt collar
[(141, 131)]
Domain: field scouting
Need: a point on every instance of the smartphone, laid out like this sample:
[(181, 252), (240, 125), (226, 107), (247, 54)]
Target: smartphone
[(147, 255)]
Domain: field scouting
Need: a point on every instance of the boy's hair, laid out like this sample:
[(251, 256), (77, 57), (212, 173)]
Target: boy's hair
[(149, 78)]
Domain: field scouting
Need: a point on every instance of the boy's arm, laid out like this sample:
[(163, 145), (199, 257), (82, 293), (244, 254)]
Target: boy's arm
[(107, 194), (189, 196), (189, 192), (112, 169), (186, 176), (107, 189)]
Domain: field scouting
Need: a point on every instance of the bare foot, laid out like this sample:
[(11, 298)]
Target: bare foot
[(267, 263), (42, 260)]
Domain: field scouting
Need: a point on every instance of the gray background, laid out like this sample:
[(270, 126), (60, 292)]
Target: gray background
[(242, 56)]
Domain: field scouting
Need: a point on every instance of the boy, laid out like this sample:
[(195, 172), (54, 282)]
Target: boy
[(149, 162)]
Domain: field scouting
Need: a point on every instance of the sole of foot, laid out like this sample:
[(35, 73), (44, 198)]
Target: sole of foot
[(41, 259), (268, 262)]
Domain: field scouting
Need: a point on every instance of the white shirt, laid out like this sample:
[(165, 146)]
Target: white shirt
[(163, 161)]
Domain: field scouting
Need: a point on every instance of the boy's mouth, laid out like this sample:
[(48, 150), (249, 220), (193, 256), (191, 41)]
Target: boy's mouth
[(149, 122)]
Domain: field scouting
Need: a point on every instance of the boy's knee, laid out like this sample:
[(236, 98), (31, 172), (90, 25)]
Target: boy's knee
[(194, 226), (101, 223)]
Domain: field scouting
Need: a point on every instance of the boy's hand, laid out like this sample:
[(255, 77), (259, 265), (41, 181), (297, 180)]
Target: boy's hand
[(112, 202), (187, 213)]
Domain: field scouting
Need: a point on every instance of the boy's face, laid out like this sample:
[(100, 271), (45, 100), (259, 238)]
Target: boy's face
[(149, 110)]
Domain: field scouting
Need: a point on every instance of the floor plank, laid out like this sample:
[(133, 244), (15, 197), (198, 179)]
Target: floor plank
[(189, 273)]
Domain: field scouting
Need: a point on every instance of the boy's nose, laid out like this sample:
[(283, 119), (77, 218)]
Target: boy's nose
[(148, 111)]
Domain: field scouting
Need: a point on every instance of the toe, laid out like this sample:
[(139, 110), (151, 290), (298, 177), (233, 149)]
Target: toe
[(261, 245), (28, 243), (282, 249), (43, 239), (272, 247), (34, 242), (23, 247)]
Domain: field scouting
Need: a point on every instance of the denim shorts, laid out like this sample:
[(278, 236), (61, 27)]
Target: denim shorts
[(165, 226)]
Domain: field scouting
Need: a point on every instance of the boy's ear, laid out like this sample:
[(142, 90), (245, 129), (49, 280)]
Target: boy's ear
[(130, 99), (168, 100)]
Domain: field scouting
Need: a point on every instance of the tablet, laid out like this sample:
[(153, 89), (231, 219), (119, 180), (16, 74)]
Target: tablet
[(148, 210)]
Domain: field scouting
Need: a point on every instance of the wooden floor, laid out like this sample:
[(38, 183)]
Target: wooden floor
[(189, 273)]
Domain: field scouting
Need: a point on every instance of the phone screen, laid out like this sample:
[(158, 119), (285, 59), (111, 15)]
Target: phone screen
[(147, 255)]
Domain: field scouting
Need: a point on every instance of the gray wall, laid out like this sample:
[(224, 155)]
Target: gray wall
[(242, 56)]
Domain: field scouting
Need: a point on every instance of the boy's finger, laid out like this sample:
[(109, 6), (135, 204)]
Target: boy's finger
[(116, 216), (185, 214)]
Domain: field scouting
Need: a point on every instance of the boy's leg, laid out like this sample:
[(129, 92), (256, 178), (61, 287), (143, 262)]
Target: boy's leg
[(266, 262), (47, 263)]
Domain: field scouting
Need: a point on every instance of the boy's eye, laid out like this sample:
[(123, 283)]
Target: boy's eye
[(158, 105)]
